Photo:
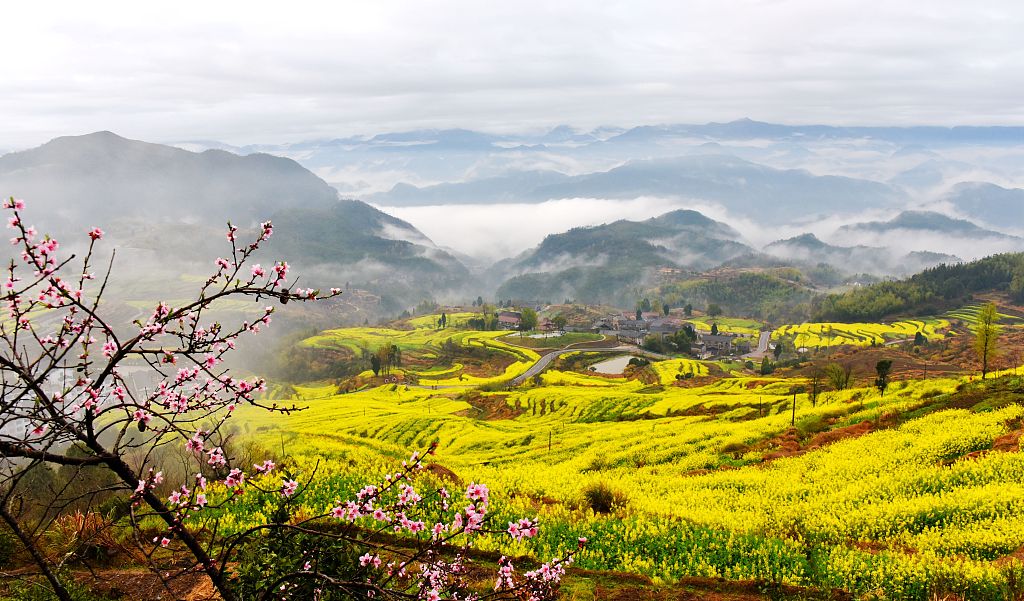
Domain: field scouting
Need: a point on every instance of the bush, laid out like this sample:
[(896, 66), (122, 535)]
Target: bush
[(602, 499)]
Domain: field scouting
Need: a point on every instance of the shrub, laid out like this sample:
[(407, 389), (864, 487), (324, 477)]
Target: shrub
[(601, 498)]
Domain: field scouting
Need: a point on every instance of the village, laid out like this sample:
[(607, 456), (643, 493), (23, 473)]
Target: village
[(649, 329)]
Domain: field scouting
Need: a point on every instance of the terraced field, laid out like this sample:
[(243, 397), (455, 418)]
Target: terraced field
[(813, 335), (897, 496)]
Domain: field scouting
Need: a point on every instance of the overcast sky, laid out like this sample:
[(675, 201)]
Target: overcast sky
[(273, 72)]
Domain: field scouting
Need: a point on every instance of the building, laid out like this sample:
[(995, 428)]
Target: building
[(718, 344), (509, 320)]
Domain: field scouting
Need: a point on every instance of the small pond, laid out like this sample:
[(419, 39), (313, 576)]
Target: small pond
[(615, 365)]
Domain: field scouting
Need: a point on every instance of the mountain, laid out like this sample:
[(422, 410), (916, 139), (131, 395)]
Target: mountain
[(808, 250), (512, 187), (747, 129), (604, 263), (166, 208), (926, 221), (773, 195), (988, 203), (103, 176)]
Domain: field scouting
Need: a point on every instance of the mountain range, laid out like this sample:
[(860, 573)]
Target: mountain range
[(152, 197)]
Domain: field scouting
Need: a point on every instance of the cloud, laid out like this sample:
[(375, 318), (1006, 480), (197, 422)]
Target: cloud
[(257, 72), (497, 231)]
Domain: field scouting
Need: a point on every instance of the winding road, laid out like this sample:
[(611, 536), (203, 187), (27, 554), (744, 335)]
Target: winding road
[(762, 346), (546, 360)]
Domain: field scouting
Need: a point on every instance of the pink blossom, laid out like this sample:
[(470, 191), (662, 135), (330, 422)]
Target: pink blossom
[(95, 233), (258, 271), (235, 478), (165, 541), (289, 487), (267, 467), (222, 263)]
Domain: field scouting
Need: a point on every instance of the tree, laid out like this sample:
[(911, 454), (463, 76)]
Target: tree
[(714, 329), (766, 366), (714, 310), (375, 364), (839, 376), (986, 334), (816, 379), (560, 322), (639, 314), (882, 371), (688, 310), (665, 308), (919, 339), (443, 320), (795, 391), (1016, 288), (67, 402), (527, 319), (778, 350)]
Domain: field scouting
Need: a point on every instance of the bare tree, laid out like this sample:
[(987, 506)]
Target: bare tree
[(839, 376)]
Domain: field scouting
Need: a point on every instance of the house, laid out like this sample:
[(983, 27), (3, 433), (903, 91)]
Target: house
[(633, 325), (546, 325), (665, 327), (718, 344), (509, 320)]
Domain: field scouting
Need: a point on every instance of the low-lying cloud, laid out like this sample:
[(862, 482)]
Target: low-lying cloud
[(498, 231)]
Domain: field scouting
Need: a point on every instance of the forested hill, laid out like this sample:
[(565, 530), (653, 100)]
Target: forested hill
[(931, 291)]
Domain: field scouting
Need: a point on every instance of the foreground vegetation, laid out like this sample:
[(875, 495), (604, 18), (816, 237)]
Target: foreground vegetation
[(901, 496)]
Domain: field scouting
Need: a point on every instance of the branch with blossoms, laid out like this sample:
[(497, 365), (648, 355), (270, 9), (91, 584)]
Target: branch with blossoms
[(412, 544), (66, 398)]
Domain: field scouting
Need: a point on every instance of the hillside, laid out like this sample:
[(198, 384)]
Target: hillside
[(602, 263), (927, 293), (153, 198)]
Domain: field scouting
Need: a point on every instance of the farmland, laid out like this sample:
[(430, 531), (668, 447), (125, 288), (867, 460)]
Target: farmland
[(736, 476), (813, 335)]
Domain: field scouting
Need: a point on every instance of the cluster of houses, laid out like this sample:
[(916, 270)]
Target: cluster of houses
[(627, 328)]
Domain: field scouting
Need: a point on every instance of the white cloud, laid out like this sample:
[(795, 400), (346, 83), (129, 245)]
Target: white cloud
[(496, 231), (256, 72)]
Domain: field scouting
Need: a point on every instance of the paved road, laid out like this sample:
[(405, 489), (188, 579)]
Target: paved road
[(762, 346), (546, 360)]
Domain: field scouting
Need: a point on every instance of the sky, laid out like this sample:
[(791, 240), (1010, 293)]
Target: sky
[(254, 72)]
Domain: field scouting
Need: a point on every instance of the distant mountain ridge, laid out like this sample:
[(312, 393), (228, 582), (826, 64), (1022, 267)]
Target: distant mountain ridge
[(738, 185), (927, 221), (807, 249)]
